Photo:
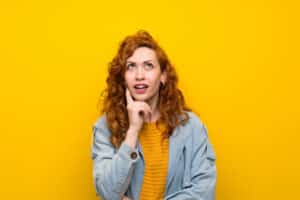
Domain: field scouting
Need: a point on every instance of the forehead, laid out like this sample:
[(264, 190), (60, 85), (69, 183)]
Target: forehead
[(142, 54)]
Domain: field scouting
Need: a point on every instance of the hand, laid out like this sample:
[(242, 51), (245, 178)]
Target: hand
[(125, 198), (138, 112)]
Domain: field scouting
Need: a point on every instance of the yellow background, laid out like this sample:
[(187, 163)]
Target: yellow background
[(238, 66)]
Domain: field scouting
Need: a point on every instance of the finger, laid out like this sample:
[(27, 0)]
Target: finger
[(125, 198), (147, 116), (147, 113), (128, 97), (145, 105), (141, 113)]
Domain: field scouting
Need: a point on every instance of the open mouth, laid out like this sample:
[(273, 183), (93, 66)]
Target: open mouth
[(140, 88)]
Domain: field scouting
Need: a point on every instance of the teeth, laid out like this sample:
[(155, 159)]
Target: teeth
[(140, 86)]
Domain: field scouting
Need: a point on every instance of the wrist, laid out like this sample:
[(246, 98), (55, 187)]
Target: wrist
[(132, 131), (131, 138)]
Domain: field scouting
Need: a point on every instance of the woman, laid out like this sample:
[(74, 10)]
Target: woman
[(148, 144)]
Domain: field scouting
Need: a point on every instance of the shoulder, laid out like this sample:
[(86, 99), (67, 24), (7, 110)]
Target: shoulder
[(101, 125), (100, 121), (195, 126), (194, 121)]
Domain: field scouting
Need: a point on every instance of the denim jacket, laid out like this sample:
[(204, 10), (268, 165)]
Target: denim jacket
[(191, 164)]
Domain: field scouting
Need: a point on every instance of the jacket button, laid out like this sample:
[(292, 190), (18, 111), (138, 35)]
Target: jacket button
[(133, 155)]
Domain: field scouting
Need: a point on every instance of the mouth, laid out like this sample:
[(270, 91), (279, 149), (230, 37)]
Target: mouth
[(140, 88)]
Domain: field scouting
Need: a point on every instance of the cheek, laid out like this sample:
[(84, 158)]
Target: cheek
[(128, 79), (155, 82)]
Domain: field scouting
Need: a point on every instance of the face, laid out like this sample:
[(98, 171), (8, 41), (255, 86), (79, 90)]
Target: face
[(143, 74)]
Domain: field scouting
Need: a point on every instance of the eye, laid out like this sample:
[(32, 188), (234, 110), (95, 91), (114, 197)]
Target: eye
[(149, 65), (130, 65)]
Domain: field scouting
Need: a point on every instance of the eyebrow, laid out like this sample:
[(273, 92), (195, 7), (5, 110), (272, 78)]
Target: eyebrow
[(135, 62)]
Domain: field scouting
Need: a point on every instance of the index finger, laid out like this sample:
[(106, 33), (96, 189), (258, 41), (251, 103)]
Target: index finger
[(128, 96)]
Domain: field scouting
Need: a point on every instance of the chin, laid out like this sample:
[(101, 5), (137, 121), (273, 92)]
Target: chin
[(141, 98)]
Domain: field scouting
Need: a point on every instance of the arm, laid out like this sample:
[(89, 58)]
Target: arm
[(203, 169), (111, 170)]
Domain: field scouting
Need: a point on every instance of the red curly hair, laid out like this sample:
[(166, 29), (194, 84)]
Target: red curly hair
[(171, 104)]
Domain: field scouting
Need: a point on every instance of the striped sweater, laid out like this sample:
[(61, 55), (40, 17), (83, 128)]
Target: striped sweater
[(156, 161)]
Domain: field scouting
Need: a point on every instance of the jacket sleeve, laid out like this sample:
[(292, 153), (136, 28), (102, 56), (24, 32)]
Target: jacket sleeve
[(203, 169), (112, 168)]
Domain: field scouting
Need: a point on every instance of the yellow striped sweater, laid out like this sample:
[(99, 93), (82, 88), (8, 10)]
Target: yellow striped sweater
[(156, 161)]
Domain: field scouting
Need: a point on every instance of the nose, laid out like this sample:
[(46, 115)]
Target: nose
[(139, 73)]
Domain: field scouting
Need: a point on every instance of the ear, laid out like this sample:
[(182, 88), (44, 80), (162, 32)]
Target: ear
[(163, 77)]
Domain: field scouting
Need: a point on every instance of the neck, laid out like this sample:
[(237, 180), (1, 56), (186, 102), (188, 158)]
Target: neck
[(153, 103)]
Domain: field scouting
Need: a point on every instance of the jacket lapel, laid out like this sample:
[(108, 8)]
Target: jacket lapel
[(176, 144)]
